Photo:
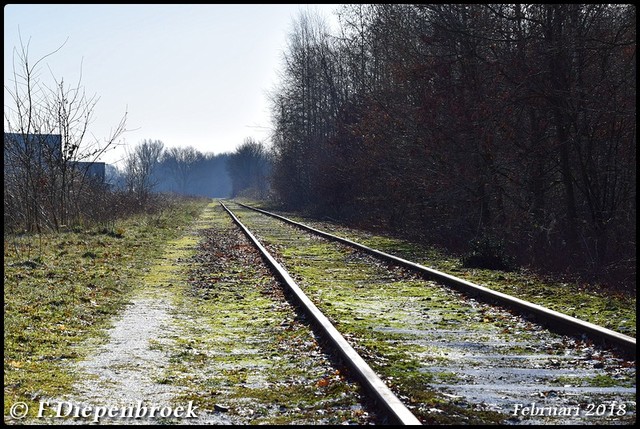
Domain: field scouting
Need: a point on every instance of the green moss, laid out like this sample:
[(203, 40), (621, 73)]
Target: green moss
[(242, 344), (598, 380), (60, 304)]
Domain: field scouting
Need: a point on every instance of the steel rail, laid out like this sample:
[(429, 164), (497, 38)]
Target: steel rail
[(554, 320), (396, 410)]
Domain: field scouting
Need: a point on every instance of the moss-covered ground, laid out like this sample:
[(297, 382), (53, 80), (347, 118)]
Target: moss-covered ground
[(243, 351), (421, 337), (61, 290)]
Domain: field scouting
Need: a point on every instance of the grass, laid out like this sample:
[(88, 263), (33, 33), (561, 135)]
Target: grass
[(243, 347), (589, 302), (61, 289), (234, 342)]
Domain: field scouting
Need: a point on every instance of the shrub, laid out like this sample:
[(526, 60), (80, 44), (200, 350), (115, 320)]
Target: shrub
[(488, 252)]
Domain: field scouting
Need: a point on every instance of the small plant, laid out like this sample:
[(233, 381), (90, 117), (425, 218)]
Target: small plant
[(488, 252), (90, 255), (112, 232)]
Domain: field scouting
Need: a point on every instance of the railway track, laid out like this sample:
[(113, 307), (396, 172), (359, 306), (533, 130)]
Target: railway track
[(553, 319), (383, 396), (440, 356)]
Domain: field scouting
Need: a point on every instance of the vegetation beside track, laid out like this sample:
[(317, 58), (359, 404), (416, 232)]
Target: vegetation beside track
[(417, 335), (594, 303), (61, 289)]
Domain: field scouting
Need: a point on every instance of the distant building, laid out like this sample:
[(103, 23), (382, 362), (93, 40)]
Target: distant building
[(44, 150), (40, 148), (94, 170)]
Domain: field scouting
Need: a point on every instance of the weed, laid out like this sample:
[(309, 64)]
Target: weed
[(488, 252)]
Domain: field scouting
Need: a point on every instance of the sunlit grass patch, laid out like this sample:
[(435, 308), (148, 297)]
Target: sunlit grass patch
[(61, 289)]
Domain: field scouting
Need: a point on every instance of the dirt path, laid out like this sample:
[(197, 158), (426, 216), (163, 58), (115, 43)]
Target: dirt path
[(125, 375)]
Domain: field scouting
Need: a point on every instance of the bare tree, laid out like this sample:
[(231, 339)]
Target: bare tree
[(249, 167), (140, 165), (181, 162), (305, 106), (46, 130)]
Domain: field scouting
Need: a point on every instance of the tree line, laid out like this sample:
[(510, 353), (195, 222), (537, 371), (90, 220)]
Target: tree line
[(151, 168), (49, 160), (465, 123)]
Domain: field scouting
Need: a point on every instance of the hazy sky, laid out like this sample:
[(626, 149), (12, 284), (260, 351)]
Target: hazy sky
[(189, 75)]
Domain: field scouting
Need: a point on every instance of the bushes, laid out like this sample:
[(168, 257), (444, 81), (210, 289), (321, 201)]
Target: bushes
[(488, 252)]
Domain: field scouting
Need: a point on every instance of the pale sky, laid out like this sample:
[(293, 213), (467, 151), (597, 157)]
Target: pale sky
[(188, 75)]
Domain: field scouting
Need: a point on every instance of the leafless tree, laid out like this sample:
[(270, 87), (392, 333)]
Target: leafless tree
[(249, 167), (140, 165), (181, 163), (46, 127)]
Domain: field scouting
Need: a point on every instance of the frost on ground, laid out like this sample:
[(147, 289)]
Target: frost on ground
[(126, 374), (124, 370)]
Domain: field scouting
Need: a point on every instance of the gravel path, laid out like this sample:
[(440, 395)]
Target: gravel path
[(126, 373), (127, 368)]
